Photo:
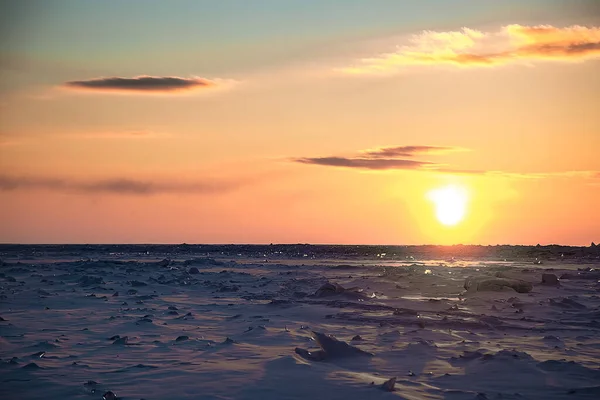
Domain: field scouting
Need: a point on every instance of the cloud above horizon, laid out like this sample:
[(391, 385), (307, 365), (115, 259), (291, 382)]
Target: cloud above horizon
[(409, 151), (364, 163), (123, 186), (394, 158), (382, 158), (142, 84), (473, 48)]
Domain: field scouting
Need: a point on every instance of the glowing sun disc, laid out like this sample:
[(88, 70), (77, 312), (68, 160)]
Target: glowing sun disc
[(450, 204)]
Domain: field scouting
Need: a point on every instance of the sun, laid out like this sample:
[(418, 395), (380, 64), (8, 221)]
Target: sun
[(450, 204)]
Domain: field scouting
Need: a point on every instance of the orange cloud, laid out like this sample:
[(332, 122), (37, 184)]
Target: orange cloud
[(472, 48)]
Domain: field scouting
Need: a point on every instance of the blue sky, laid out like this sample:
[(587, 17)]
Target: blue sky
[(231, 36)]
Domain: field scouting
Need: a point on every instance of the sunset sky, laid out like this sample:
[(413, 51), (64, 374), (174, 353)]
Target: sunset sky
[(313, 121)]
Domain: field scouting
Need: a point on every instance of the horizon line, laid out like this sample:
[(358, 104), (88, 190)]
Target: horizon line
[(298, 243)]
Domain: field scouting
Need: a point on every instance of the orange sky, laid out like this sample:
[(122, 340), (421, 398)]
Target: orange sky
[(338, 142)]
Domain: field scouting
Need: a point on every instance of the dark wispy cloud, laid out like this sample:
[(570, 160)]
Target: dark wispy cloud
[(116, 185), (142, 84), (408, 151), (364, 163), (382, 158), (394, 158)]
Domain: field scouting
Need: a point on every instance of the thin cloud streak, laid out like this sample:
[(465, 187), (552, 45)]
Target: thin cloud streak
[(541, 175), (472, 48), (365, 163), (385, 158), (382, 158), (123, 186), (142, 84), (409, 151)]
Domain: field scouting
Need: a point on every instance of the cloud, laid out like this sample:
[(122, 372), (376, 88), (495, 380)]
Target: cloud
[(393, 158), (115, 186), (409, 151), (364, 163), (142, 84), (382, 158), (556, 174), (472, 48)]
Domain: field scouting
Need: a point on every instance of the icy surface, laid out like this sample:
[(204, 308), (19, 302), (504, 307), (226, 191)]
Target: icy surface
[(173, 322)]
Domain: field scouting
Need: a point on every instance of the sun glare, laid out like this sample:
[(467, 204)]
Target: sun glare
[(450, 204)]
